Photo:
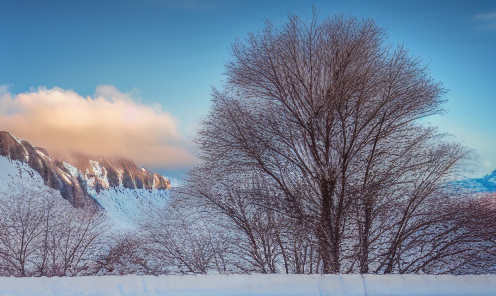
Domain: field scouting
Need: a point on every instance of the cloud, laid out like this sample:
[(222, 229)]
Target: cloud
[(485, 16), (487, 20), (111, 124)]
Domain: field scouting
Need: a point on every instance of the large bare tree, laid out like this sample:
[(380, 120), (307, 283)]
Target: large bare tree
[(328, 115)]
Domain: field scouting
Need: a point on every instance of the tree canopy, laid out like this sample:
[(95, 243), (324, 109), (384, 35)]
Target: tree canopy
[(319, 124)]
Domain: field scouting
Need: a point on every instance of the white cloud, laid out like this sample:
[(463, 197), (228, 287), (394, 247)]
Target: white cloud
[(485, 16), (111, 123), (487, 20)]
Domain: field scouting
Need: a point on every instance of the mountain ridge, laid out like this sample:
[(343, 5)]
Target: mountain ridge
[(75, 175)]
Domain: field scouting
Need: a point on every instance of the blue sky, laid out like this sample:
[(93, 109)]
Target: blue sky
[(172, 52)]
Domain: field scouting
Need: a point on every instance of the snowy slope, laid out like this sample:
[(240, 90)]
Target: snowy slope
[(117, 185), (16, 175), (123, 205), (74, 175), (221, 285)]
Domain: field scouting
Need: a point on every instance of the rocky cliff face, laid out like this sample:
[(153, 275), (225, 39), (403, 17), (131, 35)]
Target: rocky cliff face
[(76, 176)]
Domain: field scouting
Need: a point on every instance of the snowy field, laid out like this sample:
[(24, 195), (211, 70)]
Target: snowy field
[(222, 285)]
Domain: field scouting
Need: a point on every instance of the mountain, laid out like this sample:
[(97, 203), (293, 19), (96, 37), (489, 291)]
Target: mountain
[(477, 185), (484, 184), (81, 178)]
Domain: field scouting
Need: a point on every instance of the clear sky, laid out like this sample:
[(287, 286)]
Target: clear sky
[(160, 58)]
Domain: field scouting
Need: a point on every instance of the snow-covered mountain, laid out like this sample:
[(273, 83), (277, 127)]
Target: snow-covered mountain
[(117, 185), (487, 183), (484, 184), (77, 176)]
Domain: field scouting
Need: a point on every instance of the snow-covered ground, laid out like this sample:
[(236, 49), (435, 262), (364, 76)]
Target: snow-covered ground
[(222, 285)]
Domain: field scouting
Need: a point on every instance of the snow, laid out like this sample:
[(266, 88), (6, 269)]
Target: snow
[(220, 285), (124, 206), (100, 173), (430, 285), (16, 175), (6, 170), (72, 169)]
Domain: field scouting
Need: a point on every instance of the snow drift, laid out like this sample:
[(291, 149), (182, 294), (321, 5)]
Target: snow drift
[(220, 285)]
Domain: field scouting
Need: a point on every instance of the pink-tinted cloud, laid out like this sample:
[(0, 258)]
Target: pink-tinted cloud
[(111, 124)]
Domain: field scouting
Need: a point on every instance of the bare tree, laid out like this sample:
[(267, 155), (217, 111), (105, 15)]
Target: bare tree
[(43, 235), (329, 114), (123, 254), (232, 200), (478, 213), (76, 237), (21, 225), (178, 240)]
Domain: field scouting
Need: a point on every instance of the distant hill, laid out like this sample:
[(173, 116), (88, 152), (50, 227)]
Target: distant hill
[(484, 184)]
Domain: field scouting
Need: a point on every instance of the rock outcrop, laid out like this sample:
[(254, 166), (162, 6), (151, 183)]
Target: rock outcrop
[(76, 176)]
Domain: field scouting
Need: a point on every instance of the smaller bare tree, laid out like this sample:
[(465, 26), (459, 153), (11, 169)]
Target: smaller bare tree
[(44, 235), (21, 236), (178, 240), (123, 254)]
